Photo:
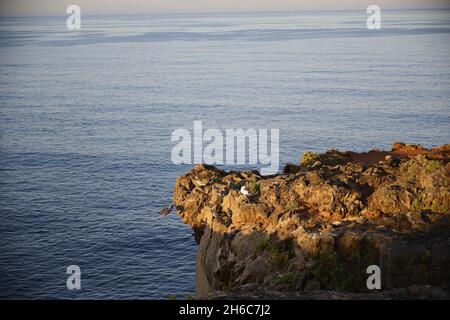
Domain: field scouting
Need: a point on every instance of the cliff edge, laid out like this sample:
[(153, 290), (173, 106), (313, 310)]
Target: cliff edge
[(312, 231)]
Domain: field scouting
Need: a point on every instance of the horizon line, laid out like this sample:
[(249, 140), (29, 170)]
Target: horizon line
[(219, 12)]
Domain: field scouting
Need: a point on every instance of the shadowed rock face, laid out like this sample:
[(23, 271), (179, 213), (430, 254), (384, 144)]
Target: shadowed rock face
[(319, 226)]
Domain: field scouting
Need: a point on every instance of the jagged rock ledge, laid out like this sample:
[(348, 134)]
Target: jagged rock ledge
[(311, 232)]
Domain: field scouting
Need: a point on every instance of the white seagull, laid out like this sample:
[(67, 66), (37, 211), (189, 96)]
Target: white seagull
[(244, 191)]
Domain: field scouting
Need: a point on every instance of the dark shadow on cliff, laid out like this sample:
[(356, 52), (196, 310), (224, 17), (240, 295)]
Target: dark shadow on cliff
[(256, 265)]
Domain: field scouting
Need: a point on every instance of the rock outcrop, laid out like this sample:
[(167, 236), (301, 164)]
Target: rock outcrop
[(319, 225)]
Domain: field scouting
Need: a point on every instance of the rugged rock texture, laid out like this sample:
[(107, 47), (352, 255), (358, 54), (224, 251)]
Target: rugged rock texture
[(319, 225)]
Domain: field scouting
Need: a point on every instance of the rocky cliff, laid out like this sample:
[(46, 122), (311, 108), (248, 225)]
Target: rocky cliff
[(312, 231)]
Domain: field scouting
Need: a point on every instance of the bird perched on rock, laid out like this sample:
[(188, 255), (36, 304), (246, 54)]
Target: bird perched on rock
[(244, 191), (166, 210)]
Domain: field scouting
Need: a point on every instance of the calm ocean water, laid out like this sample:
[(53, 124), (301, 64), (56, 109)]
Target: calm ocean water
[(86, 119)]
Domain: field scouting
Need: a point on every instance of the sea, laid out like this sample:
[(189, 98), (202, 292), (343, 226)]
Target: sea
[(86, 118)]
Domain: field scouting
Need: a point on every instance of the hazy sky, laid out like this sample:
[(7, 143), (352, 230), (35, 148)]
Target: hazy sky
[(57, 7)]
